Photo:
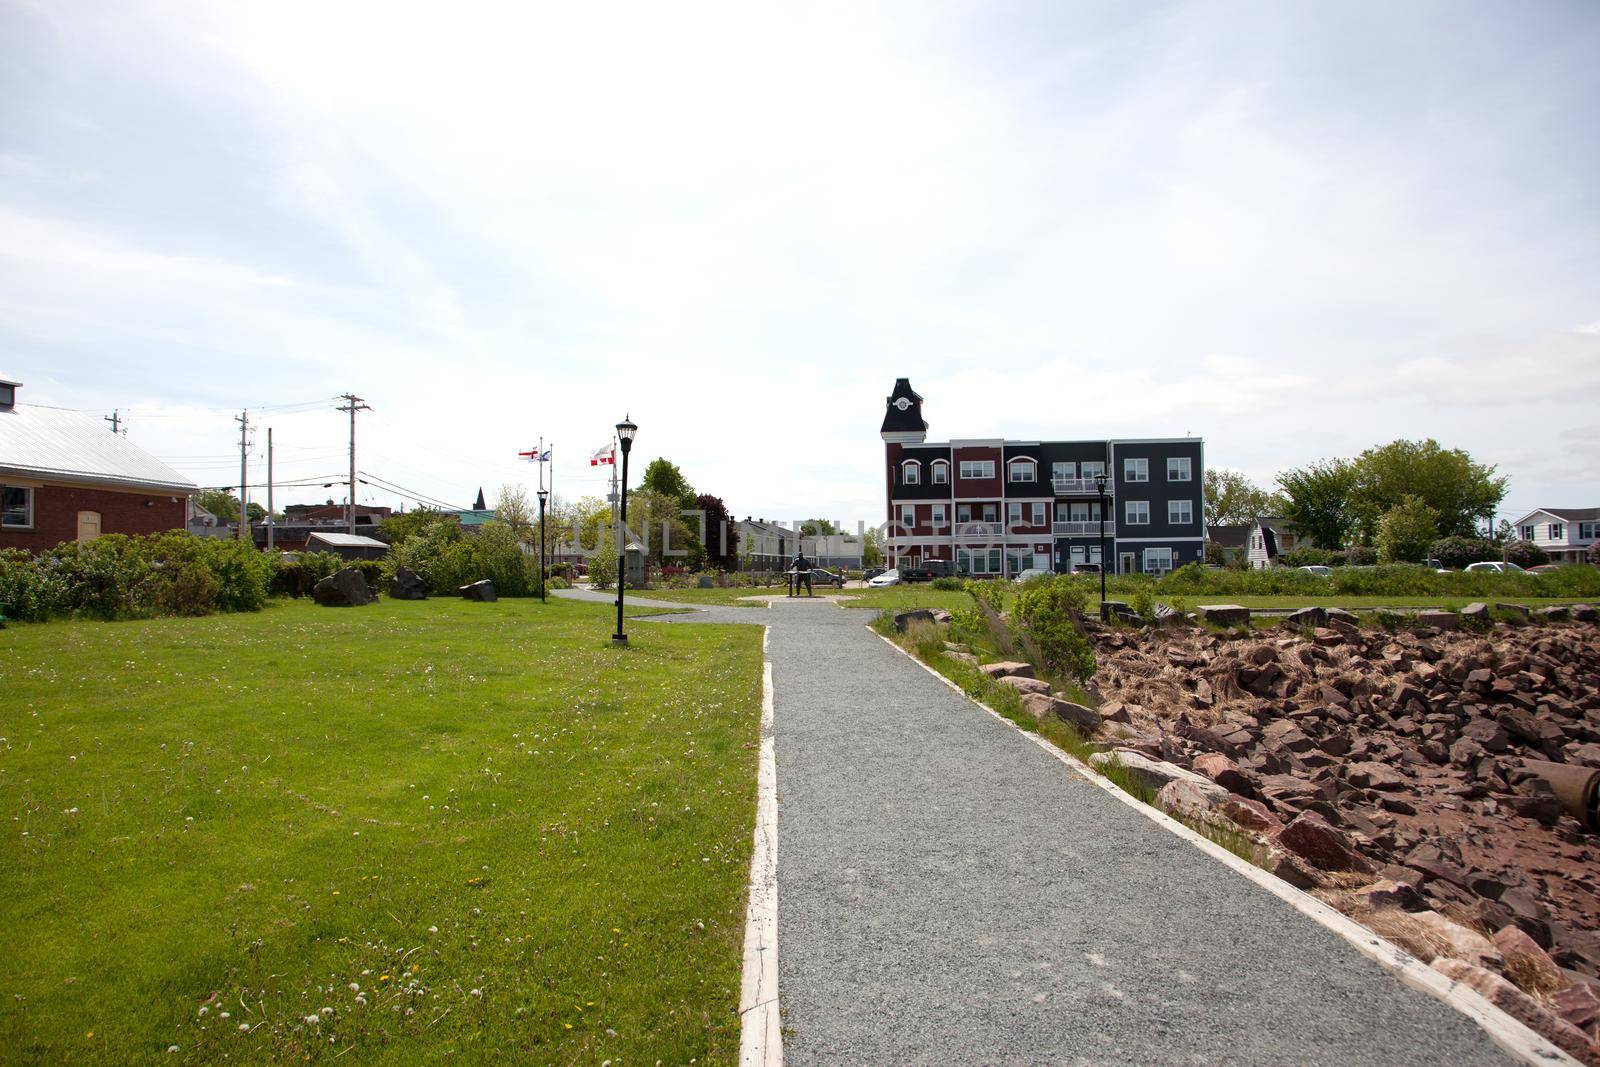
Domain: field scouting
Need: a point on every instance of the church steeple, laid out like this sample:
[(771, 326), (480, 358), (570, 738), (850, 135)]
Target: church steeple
[(902, 419), (480, 505)]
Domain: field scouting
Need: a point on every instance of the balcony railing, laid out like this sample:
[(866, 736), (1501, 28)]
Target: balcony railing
[(1078, 486), (1077, 528)]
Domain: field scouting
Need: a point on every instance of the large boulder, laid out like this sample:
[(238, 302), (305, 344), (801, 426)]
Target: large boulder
[(904, 619), (1043, 706), (1323, 846), (1369, 774), (407, 584), (344, 589), (1439, 620), (1224, 614), (1026, 686), (482, 591), (1006, 669), (1460, 943), (1152, 774), (1192, 799), (1312, 617)]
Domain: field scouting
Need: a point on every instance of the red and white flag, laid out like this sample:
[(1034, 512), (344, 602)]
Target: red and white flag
[(603, 455)]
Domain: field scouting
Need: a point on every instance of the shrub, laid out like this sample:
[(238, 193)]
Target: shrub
[(1593, 555), (1406, 530), (1046, 618), (1526, 554), (1311, 557), (1143, 600), (1360, 556), (949, 585), (1457, 552)]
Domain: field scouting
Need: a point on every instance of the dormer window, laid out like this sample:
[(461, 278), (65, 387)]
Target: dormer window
[(941, 472), (8, 394), (1022, 469), (910, 472)]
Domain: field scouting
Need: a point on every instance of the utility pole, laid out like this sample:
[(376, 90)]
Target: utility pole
[(269, 488), (352, 404), (115, 419), (243, 419)]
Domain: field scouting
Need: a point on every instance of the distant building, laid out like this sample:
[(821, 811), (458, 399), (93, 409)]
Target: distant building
[(1270, 537), (1230, 541), (1565, 534), (66, 476), (346, 546), (997, 507), (334, 514), (763, 545)]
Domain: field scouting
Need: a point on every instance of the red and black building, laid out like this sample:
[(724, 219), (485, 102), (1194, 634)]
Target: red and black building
[(998, 507)]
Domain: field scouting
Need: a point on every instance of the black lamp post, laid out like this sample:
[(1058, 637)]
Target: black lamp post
[(1100, 485), (625, 431), (544, 494)]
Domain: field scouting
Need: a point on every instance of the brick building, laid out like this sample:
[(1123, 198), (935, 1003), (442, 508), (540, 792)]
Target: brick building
[(66, 476)]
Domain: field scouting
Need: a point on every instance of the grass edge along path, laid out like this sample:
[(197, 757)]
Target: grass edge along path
[(408, 830)]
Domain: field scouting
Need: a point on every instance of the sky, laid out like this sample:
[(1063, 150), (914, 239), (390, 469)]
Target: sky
[(1295, 229)]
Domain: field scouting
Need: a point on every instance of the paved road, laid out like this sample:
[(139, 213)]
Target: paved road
[(948, 893)]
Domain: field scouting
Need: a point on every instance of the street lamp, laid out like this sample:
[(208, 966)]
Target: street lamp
[(544, 494), (625, 431), (1100, 486)]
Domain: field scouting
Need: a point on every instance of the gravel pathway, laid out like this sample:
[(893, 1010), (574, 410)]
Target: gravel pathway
[(949, 893)]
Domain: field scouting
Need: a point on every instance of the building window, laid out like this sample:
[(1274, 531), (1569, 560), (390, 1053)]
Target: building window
[(1135, 469), (1558, 530), (1527, 533), (941, 472), (1062, 472), (938, 516), (1019, 560), (991, 513), (1157, 560), (1586, 530), (1022, 470), (1039, 511), (910, 472), (1136, 512), (1014, 514), (908, 516), (1180, 512), (963, 512), (17, 507), (8, 396), (977, 468), (1177, 468), (1091, 469), (978, 561)]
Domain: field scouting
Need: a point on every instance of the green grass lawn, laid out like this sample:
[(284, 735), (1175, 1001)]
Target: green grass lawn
[(443, 829)]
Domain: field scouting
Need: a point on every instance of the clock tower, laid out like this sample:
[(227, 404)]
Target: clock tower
[(902, 419)]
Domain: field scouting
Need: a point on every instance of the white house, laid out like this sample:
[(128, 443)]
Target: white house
[(1565, 534), (1270, 537)]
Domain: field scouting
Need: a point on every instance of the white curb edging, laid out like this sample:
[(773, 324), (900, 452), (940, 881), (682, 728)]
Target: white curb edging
[(1513, 1037), (760, 1027)]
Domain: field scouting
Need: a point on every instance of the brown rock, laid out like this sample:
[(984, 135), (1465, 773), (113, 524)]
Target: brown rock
[(1024, 684), (1043, 706), (1579, 1005), (1192, 799), (1369, 775), (1459, 942), (1527, 964), (1294, 870), (1007, 669), (1311, 838), (1250, 815), (1386, 894), (1521, 1007)]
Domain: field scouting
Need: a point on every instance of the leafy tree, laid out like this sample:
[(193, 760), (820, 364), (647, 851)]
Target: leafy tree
[(1231, 499), (664, 477), (1319, 500), (655, 520), (721, 532), (1593, 555), (1525, 554), (818, 528), (397, 529), (513, 508), (1457, 552), (1505, 533), (1461, 491), (225, 506), (871, 549), (1406, 531)]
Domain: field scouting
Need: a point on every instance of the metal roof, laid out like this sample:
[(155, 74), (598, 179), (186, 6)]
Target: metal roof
[(50, 443), (346, 540)]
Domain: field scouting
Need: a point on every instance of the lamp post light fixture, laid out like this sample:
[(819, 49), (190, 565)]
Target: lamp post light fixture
[(544, 494), (1100, 486), (625, 431)]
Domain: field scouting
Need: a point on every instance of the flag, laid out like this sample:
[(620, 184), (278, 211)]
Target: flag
[(544, 457), (603, 455), (530, 455)]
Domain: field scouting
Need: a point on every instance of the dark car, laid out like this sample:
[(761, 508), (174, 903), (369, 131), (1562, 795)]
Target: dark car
[(1085, 568), (927, 571), (871, 573), (822, 577)]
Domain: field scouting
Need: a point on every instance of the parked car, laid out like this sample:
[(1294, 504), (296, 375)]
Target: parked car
[(927, 570), (1085, 568), (826, 577), (886, 578), (1317, 569), (1032, 573), (1544, 568), (871, 573), (1494, 566)]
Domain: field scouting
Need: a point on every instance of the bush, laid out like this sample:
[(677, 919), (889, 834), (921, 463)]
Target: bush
[(1457, 552), (949, 585), (120, 577), (1526, 554), (1360, 556), (1311, 557), (1406, 530), (1045, 618), (1593, 554)]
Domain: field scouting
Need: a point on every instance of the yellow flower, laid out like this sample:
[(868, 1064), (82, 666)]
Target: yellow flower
[(567, 1025), (89, 1034)]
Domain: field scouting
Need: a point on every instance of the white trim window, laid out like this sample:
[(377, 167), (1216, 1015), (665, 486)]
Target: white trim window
[(1587, 531), (1013, 514), (1157, 560), (1063, 472), (1558, 531), (1180, 512), (1135, 469), (940, 472), (908, 517), (977, 468), (978, 561), (938, 517), (1022, 469), (1040, 513), (910, 472), (1527, 532), (963, 512), (1178, 469), (1091, 469), (1136, 512), (16, 508), (991, 513), (1019, 560)]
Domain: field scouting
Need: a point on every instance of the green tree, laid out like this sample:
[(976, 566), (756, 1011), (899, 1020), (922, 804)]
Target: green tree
[(664, 477), (1525, 554), (1461, 491), (397, 529), (818, 528), (225, 506), (1457, 552), (1406, 531), (721, 532), (1232, 500), (513, 508), (871, 548), (1318, 500)]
